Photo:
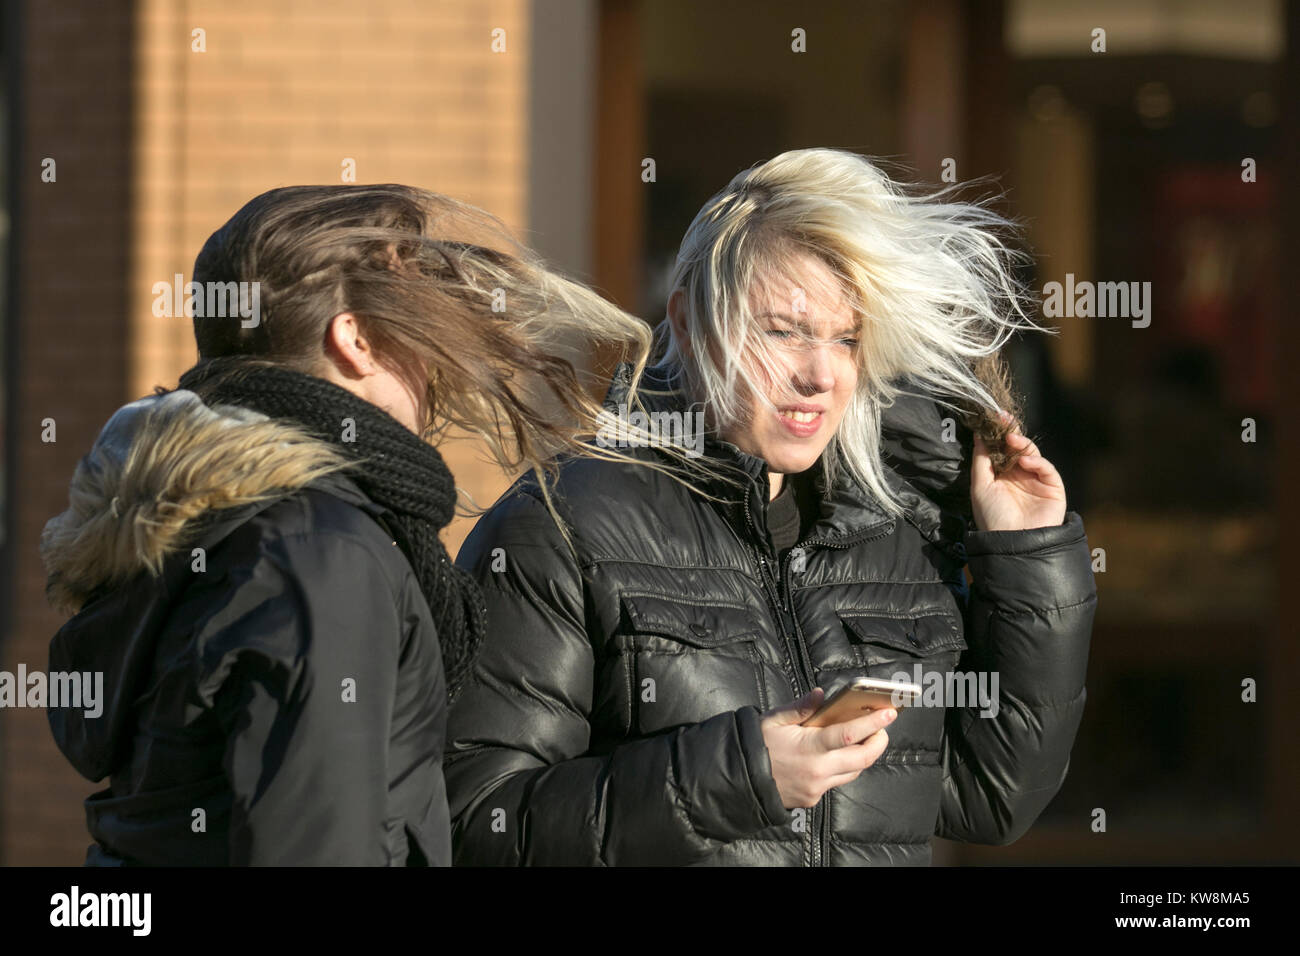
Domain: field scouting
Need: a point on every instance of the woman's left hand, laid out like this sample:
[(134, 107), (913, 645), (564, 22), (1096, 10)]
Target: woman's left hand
[(1030, 494)]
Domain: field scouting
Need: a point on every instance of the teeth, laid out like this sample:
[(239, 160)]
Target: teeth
[(801, 417)]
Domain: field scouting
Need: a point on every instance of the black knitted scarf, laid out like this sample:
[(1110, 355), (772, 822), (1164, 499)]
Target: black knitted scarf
[(398, 470)]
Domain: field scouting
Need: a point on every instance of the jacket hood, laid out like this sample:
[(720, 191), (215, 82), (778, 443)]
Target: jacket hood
[(166, 472), (160, 465), (912, 444)]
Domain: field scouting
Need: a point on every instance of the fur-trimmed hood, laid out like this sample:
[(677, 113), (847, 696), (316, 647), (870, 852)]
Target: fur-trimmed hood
[(158, 465)]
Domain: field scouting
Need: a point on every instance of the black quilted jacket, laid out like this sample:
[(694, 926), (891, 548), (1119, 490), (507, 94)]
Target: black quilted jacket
[(282, 703), (613, 718)]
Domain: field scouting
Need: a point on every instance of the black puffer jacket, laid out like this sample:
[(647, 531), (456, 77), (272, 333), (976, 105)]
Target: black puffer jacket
[(614, 715), (277, 698)]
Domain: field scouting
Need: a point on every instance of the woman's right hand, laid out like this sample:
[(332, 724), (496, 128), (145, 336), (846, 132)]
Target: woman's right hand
[(808, 761)]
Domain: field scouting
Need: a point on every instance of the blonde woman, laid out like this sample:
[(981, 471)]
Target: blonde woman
[(642, 688), (252, 560)]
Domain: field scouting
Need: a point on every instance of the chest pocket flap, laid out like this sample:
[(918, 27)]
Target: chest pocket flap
[(885, 635), (703, 624)]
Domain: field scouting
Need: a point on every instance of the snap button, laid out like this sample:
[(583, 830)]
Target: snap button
[(699, 630), (911, 636)]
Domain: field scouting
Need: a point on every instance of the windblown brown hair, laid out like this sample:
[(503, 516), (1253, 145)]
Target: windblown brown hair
[(451, 302)]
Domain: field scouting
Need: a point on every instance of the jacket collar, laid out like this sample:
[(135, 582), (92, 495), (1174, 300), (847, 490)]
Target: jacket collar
[(930, 476), (848, 511)]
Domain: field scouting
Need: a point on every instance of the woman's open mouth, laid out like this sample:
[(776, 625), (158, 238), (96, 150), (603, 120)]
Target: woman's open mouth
[(802, 421)]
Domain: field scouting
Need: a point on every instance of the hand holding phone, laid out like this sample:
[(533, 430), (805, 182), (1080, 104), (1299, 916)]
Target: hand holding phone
[(861, 695), (807, 761)]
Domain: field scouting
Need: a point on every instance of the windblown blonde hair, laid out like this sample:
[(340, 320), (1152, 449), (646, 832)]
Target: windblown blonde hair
[(931, 279)]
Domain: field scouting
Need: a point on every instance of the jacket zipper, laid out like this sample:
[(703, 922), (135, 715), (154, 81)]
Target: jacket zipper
[(772, 584), (822, 812), (818, 825), (802, 673), (778, 586)]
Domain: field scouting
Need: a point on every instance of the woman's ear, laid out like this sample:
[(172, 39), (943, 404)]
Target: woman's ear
[(347, 348)]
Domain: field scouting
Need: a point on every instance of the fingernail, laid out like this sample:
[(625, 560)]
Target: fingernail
[(890, 714)]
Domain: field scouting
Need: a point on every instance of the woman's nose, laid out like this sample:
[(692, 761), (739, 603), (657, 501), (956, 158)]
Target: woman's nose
[(816, 373)]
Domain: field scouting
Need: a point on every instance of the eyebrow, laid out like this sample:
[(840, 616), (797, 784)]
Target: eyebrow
[(853, 329)]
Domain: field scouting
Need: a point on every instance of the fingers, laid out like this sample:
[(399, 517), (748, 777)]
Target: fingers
[(806, 762), (982, 464), (1043, 469), (796, 712), (1016, 438), (855, 759), (1018, 442), (1033, 461), (856, 730)]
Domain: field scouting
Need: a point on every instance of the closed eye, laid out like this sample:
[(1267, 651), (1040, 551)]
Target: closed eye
[(848, 342)]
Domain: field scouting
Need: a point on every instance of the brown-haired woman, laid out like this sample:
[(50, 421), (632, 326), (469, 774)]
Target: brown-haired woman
[(253, 558)]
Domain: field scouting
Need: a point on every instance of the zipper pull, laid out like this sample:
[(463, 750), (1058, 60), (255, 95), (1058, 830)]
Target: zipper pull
[(778, 578), (769, 576)]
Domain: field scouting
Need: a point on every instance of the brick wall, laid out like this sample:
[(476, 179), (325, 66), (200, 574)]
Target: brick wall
[(73, 243)]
